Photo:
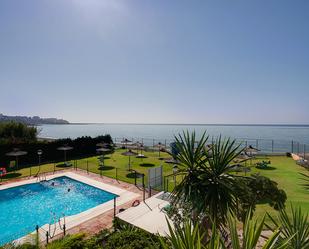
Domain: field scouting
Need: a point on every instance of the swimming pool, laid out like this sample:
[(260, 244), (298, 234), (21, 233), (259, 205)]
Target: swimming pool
[(25, 206)]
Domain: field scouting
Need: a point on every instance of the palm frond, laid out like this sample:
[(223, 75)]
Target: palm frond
[(306, 181), (294, 228)]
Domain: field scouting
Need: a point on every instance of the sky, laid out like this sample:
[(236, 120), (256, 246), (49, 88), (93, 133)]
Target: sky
[(156, 61)]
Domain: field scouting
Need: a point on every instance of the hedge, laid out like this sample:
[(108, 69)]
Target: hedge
[(82, 147)]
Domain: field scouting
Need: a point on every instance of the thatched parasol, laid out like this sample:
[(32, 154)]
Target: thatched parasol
[(159, 146), (103, 151), (16, 153), (65, 148), (129, 153)]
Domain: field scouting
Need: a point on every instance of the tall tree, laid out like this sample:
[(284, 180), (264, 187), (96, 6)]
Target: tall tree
[(207, 183)]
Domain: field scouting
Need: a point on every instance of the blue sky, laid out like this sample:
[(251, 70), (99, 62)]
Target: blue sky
[(162, 61)]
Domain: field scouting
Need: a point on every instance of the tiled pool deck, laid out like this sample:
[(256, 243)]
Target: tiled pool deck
[(93, 220)]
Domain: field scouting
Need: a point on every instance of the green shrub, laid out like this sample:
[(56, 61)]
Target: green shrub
[(82, 147), (75, 241), (22, 246), (130, 239), (14, 132), (258, 189)]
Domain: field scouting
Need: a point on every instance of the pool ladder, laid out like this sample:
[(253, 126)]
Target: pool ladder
[(41, 177)]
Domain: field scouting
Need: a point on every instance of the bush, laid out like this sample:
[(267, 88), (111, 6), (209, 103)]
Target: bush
[(262, 165), (75, 241), (258, 189), (131, 239), (15, 133)]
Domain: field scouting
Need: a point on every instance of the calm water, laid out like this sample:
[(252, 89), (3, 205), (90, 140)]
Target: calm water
[(24, 207), (162, 132)]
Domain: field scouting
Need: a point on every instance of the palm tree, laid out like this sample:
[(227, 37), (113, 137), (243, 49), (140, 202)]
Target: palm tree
[(306, 179), (251, 234), (189, 236), (294, 227), (207, 183)]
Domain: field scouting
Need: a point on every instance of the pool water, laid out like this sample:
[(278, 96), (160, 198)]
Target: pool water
[(24, 207)]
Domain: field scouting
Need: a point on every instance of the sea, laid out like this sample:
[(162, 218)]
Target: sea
[(270, 137)]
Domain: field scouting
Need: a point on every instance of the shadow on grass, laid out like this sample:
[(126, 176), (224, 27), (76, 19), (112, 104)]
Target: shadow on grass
[(146, 164), (11, 175), (266, 168), (105, 157), (133, 175), (103, 168)]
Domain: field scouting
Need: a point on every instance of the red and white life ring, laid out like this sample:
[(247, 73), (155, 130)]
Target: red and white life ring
[(135, 203), (2, 172)]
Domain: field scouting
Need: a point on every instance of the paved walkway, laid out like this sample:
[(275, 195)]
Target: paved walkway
[(105, 220), (149, 215)]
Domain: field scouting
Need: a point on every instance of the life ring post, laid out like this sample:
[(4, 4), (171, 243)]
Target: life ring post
[(3, 173)]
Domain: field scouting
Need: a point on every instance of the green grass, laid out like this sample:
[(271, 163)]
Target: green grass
[(284, 171), (114, 162)]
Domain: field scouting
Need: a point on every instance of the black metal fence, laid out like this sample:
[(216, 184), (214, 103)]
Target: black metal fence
[(267, 146)]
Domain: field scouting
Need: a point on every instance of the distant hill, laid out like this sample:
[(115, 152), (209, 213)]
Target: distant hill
[(35, 120)]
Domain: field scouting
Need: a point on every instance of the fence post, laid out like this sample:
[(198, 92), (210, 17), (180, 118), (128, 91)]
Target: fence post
[(37, 230), (292, 146), (298, 147), (30, 171), (116, 174), (54, 167), (114, 206), (143, 187), (47, 237), (64, 229), (164, 183), (135, 177), (257, 143), (149, 194), (87, 167), (304, 152)]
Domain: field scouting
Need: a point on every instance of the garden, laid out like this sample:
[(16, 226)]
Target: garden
[(215, 203)]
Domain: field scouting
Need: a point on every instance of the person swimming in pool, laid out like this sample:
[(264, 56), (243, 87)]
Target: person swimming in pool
[(69, 189)]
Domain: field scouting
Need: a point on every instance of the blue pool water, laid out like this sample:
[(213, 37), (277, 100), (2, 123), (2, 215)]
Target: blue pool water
[(24, 207)]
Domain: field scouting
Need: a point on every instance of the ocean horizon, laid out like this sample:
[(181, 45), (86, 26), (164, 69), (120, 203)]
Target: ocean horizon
[(183, 124), (281, 133)]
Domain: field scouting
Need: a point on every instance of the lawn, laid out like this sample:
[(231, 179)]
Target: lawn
[(114, 164), (283, 170), (286, 173)]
